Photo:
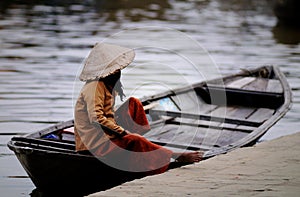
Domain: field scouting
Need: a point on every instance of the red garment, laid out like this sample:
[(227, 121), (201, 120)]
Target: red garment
[(131, 116), (133, 152)]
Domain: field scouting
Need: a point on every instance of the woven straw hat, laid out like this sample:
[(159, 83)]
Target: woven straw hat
[(105, 59)]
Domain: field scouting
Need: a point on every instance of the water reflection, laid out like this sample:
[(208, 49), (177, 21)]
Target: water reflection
[(286, 34), (117, 10), (38, 193), (288, 12), (135, 10), (9, 4), (252, 7)]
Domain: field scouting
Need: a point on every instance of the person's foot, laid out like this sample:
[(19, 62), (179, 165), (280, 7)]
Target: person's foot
[(189, 157)]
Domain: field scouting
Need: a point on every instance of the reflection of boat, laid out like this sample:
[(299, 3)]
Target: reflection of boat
[(121, 4), (288, 11), (228, 118), (286, 34)]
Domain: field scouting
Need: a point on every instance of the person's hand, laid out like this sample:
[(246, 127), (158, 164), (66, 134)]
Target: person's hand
[(127, 132)]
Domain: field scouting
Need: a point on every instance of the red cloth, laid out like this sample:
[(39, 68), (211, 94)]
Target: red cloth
[(133, 152), (131, 116)]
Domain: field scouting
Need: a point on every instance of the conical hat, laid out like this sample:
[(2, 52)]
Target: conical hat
[(105, 59)]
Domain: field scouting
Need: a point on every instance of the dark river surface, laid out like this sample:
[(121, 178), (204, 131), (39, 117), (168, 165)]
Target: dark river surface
[(43, 45)]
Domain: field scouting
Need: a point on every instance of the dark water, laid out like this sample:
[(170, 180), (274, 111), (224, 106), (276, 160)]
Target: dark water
[(43, 44)]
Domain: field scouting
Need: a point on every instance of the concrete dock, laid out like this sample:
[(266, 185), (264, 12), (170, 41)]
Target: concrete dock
[(269, 168)]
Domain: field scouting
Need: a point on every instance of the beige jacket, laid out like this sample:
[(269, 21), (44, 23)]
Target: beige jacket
[(94, 104)]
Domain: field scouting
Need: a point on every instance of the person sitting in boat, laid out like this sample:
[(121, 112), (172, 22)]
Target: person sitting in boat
[(116, 137)]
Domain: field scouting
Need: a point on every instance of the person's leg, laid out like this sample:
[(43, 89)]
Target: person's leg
[(149, 156), (131, 116), (142, 155)]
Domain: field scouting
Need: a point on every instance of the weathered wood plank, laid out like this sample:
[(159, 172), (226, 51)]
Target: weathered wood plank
[(201, 137), (211, 137), (274, 86), (184, 136), (209, 124), (190, 102), (259, 84), (262, 114), (186, 101), (206, 117), (180, 147), (227, 137), (241, 112), (221, 111), (161, 131), (240, 82), (238, 112), (179, 135)]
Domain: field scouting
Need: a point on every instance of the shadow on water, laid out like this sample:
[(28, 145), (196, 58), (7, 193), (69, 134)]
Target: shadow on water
[(287, 29), (87, 188), (78, 191), (75, 193), (38, 193), (286, 34), (288, 12)]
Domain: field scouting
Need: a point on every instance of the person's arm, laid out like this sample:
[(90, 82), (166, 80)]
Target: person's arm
[(95, 106)]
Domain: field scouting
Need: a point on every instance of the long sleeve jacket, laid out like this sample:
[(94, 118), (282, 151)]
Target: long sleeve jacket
[(94, 104)]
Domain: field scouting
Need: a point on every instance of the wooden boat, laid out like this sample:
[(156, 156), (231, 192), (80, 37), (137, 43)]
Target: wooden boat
[(204, 116)]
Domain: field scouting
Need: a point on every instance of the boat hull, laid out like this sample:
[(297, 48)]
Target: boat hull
[(54, 172), (254, 101)]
